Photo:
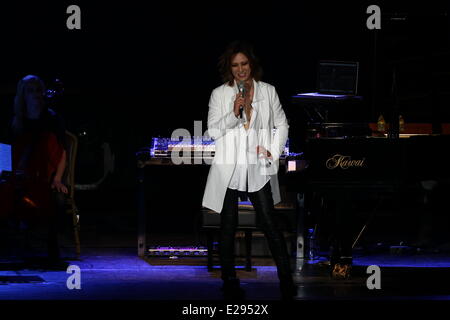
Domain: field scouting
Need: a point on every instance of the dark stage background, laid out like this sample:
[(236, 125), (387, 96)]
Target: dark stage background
[(135, 71)]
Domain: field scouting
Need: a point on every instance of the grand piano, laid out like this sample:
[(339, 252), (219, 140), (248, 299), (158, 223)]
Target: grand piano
[(343, 168), (370, 162)]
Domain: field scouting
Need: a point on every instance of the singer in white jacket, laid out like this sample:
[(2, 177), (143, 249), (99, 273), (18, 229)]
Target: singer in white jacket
[(242, 115)]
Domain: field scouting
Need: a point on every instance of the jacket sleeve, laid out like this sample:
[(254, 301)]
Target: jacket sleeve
[(219, 123), (280, 123)]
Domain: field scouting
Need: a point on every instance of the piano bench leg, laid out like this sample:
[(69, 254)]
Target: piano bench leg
[(209, 244), (248, 250)]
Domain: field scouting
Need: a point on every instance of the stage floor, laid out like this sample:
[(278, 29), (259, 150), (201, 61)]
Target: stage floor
[(118, 274)]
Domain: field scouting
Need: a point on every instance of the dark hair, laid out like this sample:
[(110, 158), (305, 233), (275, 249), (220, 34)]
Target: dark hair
[(233, 49)]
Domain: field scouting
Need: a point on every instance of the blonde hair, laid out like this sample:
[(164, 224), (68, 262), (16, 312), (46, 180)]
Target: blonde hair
[(19, 100)]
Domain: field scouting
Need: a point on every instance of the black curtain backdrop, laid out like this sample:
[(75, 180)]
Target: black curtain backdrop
[(138, 70)]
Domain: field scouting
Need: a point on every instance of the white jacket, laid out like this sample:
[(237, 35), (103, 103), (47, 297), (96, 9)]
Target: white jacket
[(223, 127)]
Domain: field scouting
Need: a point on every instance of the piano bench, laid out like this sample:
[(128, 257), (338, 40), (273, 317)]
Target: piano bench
[(246, 223)]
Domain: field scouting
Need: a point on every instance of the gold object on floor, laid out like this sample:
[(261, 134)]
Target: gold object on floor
[(341, 271)]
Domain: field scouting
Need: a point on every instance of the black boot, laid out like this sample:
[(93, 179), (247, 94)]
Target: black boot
[(232, 290), (288, 289)]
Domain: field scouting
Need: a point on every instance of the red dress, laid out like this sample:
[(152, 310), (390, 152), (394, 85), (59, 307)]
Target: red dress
[(28, 194)]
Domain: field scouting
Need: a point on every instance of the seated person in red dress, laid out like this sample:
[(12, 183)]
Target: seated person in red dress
[(39, 159)]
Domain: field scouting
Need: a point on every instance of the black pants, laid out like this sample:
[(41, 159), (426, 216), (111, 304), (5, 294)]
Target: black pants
[(53, 224), (263, 203), (56, 224)]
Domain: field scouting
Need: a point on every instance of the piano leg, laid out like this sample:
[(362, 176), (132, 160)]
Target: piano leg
[(301, 253), (341, 251), (142, 227)]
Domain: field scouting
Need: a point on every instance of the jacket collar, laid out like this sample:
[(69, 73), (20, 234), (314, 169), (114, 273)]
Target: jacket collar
[(257, 94)]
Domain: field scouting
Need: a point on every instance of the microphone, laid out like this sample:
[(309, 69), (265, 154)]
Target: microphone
[(241, 88)]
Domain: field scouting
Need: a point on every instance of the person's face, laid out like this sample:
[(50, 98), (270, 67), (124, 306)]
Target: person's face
[(34, 98), (240, 67)]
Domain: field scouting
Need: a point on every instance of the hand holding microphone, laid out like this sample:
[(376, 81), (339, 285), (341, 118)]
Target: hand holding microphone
[(239, 102)]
